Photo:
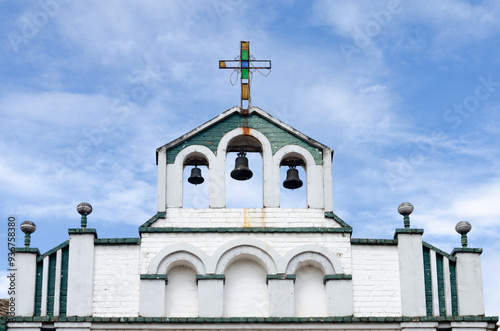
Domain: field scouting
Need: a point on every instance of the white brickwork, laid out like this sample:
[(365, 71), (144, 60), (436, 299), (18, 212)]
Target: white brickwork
[(116, 281), (245, 217), (376, 288)]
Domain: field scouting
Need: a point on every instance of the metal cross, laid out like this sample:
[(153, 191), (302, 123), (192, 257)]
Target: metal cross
[(244, 64)]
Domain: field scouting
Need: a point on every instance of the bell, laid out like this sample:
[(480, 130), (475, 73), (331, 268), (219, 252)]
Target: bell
[(292, 180), (195, 177), (241, 170)]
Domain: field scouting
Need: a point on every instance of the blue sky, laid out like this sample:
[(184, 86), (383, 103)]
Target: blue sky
[(407, 93)]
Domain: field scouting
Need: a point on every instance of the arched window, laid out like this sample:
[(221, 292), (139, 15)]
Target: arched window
[(181, 292), (310, 292), (245, 290)]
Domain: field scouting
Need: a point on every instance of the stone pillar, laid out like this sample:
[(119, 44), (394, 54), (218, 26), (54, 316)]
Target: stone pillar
[(469, 281), (411, 271), (281, 295), (25, 279), (162, 180), (80, 272), (339, 295), (210, 295), (152, 297), (327, 179)]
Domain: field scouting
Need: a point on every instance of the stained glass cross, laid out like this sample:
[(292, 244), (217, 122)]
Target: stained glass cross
[(245, 64)]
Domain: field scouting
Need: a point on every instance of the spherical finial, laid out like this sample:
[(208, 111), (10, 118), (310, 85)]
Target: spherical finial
[(463, 227), (28, 227), (405, 208), (84, 208)]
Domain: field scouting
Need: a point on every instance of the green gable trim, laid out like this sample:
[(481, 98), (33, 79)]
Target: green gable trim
[(281, 277), (437, 250), (336, 277), (160, 214), (440, 283), (428, 281), (117, 241), (64, 281), (51, 289), (277, 136), (26, 250), (330, 214), (38, 288), (267, 320), (52, 251), (244, 230), (83, 231), (453, 283), (466, 250), (360, 241)]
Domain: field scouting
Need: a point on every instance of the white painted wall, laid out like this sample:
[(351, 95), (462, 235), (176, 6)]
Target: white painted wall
[(181, 294), (116, 280), (245, 291), (375, 278), (310, 292)]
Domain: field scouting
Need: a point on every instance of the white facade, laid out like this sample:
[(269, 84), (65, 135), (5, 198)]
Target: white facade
[(262, 268)]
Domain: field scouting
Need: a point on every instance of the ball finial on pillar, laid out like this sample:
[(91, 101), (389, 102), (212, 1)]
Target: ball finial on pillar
[(84, 209), (28, 228), (406, 209), (463, 227)]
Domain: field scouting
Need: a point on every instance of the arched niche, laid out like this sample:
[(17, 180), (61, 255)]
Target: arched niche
[(313, 181), (254, 142), (177, 254), (191, 155), (321, 256), (181, 291)]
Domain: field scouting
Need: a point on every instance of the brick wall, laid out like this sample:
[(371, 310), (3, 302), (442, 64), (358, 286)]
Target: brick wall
[(116, 281), (239, 217), (376, 287)]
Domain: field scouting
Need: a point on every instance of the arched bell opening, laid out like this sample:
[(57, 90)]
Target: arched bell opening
[(244, 173), (195, 182), (293, 182)]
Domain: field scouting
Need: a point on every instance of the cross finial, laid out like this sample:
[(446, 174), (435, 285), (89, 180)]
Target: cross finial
[(245, 64)]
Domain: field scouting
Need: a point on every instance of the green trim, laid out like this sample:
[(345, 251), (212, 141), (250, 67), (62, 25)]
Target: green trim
[(212, 276), (83, 231), (26, 250), (437, 250), (64, 281), (154, 276), (245, 230), (117, 241), (53, 250), (428, 280), (38, 288), (360, 241), (267, 320), (454, 292), (158, 215), (408, 231), (440, 283), (330, 214), (336, 277), (281, 276), (466, 250), (51, 288)]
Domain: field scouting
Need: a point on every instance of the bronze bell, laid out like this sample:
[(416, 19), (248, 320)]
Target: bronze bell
[(292, 180), (196, 177), (241, 170)]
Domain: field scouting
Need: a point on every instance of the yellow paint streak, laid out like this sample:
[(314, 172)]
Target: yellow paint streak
[(246, 219), (263, 218)]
